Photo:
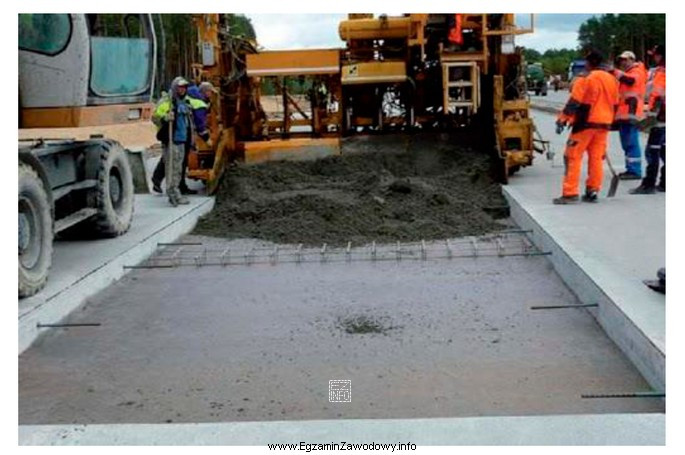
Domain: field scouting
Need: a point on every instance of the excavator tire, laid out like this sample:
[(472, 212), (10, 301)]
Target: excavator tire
[(115, 191), (35, 232)]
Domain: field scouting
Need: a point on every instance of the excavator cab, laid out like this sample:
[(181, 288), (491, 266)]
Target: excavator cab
[(85, 69)]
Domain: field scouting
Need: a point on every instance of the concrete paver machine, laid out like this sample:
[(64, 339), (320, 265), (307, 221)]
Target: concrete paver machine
[(456, 73)]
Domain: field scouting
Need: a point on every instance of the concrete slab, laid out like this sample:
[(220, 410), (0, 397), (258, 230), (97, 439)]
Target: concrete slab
[(553, 102), (602, 251), (80, 269), (591, 430), (416, 338)]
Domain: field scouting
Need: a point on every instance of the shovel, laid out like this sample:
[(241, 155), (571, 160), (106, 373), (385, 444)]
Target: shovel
[(169, 163), (614, 178)]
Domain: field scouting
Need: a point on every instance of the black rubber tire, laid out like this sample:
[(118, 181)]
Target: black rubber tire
[(115, 211), (35, 217)]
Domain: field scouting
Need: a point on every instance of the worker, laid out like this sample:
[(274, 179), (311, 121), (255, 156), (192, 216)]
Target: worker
[(198, 108), (455, 34), (656, 113), (631, 76), (175, 110), (204, 93), (590, 110)]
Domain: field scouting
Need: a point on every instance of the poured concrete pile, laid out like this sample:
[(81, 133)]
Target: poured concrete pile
[(384, 189)]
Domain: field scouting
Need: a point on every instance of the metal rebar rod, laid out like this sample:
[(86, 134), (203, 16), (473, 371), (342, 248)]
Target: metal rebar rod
[(201, 258), (398, 251), (224, 254), (500, 247), (625, 395), (424, 255), (179, 243), (323, 252), (299, 252), (554, 307), (68, 324), (516, 231), (339, 256), (174, 257), (524, 243), (373, 250)]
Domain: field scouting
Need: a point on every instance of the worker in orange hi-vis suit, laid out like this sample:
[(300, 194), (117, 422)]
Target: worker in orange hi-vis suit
[(656, 142), (455, 35), (632, 78), (590, 110)]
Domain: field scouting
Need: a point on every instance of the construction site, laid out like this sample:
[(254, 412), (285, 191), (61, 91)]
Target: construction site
[(376, 215)]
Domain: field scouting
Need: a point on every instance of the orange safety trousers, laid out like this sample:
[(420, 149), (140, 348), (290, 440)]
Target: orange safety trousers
[(595, 142)]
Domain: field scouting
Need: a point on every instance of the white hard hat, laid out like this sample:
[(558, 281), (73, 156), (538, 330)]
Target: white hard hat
[(629, 55)]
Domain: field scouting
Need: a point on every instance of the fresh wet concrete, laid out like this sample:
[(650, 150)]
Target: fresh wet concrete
[(457, 338)]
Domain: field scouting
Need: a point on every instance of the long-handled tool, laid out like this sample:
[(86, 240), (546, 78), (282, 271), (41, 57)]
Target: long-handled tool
[(614, 179), (169, 163)]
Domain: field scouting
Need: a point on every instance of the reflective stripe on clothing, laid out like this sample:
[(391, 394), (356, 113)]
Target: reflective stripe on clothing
[(656, 151), (632, 91), (657, 96), (630, 142)]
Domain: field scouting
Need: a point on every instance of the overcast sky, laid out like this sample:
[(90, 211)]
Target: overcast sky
[(301, 31)]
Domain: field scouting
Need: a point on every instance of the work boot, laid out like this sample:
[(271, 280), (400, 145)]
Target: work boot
[(156, 187), (628, 176), (565, 200), (173, 202), (661, 188), (182, 201), (643, 189), (590, 196), (658, 285)]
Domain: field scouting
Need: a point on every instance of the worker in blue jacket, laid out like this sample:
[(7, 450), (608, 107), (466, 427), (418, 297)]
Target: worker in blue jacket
[(199, 110)]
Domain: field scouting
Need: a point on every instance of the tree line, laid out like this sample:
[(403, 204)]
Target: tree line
[(611, 34), (178, 47)]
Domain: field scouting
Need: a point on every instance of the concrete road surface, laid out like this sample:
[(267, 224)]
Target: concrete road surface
[(446, 338)]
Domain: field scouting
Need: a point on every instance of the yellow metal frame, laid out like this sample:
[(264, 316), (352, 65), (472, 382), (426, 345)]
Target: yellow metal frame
[(291, 149), (294, 63), (374, 72)]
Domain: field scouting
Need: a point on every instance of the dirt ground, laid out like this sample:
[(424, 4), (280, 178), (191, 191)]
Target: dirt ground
[(381, 188)]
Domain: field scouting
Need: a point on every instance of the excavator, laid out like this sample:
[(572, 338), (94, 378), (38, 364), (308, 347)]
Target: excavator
[(77, 70)]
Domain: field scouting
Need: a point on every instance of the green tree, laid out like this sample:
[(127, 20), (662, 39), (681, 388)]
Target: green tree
[(531, 55), (554, 61), (178, 46), (240, 26), (612, 34)]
